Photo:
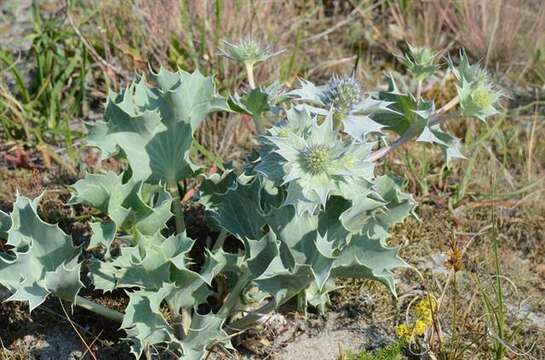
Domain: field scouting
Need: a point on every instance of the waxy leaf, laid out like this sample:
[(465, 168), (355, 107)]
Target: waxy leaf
[(129, 204), (368, 258), (43, 259), (253, 103), (228, 211), (153, 126), (204, 331), (144, 323), (5, 224), (409, 117)]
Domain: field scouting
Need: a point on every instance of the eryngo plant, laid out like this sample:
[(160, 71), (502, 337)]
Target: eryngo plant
[(307, 208), (246, 51), (420, 62)]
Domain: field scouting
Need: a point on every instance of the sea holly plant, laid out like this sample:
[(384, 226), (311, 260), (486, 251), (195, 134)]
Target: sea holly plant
[(256, 100), (305, 209)]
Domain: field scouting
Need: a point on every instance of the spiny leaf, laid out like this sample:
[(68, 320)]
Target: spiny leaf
[(448, 143), (43, 259), (143, 321), (407, 113), (149, 263), (283, 283), (129, 204), (154, 126), (204, 331), (368, 258), (254, 102), (5, 224), (241, 220), (103, 234)]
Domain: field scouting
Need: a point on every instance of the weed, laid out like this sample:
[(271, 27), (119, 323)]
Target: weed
[(394, 351)]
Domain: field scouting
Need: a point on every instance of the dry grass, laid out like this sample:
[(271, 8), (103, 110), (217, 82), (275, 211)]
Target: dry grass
[(504, 34)]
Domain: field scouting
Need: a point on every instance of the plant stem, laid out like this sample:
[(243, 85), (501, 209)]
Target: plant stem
[(258, 124), (233, 298), (251, 318), (500, 315), (98, 309), (220, 240), (251, 81), (180, 320), (4, 293), (177, 207), (147, 353), (380, 153), (419, 91), (178, 323), (435, 119), (186, 320), (83, 303), (250, 73)]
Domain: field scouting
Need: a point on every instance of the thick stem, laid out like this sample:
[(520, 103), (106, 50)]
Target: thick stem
[(177, 208), (437, 116), (98, 309), (250, 74), (251, 318), (186, 320), (419, 91), (181, 322), (147, 353), (251, 81), (4, 293), (81, 302), (177, 324), (233, 298), (258, 124), (220, 240), (180, 326), (380, 153)]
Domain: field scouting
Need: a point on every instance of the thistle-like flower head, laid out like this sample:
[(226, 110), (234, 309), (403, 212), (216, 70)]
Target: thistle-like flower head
[(477, 96), (314, 159), (342, 93), (478, 99), (419, 61), (343, 97), (469, 73), (248, 51)]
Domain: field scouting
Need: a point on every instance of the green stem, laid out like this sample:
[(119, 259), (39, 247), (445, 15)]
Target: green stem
[(98, 309), (186, 320), (220, 240), (83, 303), (178, 323), (500, 315), (233, 298), (251, 318), (177, 208), (436, 118), (251, 81), (258, 124), (4, 293)]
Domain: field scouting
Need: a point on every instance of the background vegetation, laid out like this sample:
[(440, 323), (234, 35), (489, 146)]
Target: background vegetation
[(477, 244)]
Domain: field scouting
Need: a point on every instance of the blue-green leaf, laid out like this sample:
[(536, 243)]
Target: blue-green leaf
[(43, 259)]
